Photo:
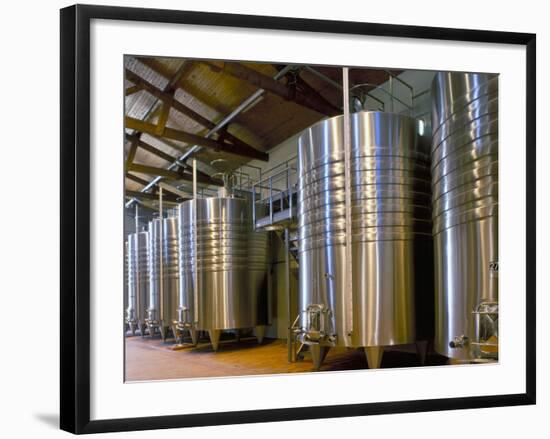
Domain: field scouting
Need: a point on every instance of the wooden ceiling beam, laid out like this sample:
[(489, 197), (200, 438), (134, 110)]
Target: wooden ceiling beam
[(154, 190), (133, 148), (136, 179), (171, 175), (271, 85), (173, 83), (193, 139), (166, 97), (132, 89), (308, 89), (165, 156), (149, 196), (152, 170), (151, 149), (164, 114)]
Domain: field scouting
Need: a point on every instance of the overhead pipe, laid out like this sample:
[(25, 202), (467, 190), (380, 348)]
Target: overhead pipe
[(347, 178), (161, 265)]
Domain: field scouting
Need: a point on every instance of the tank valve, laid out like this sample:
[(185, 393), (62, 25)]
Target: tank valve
[(459, 342)]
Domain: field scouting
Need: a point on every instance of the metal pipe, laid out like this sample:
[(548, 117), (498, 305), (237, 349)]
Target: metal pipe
[(195, 243), (253, 207), (194, 179), (289, 188), (391, 93), (347, 177), (271, 200), (290, 337), (248, 101), (161, 265), (136, 219)]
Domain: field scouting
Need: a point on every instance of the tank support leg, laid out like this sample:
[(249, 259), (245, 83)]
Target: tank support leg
[(163, 331), (421, 350), (260, 332), (374, 356), (142, 327), (324, 353), (214, 338), (177, 334), (237, 335), (318, 354), (194, 336)]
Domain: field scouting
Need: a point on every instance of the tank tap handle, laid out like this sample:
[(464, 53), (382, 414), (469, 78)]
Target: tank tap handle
[(459, 342)]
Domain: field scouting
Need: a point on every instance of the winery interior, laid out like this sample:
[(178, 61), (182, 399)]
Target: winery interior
[(286, 218)]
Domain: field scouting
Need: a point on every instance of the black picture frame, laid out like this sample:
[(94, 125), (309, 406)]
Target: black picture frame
[(75, 217)]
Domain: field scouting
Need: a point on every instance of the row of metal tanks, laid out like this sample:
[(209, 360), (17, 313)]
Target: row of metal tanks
[(417, 212), (214, 272), (420, 220)]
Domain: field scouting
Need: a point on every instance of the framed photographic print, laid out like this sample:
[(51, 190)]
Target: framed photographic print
[(268, 218)]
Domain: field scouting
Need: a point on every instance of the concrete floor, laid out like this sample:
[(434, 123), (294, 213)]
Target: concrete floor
[(150, 359)]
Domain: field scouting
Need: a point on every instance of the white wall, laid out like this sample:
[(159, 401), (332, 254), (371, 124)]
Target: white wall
[(29, 366)]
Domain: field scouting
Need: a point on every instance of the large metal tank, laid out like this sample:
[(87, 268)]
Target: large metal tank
[(465, 213), (223, 268), (163, 296), (138, 281), (390, 227)]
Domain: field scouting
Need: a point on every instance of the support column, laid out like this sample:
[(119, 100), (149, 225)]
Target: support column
[(374, 356), (214, 338), (318, 354), (260, 333), (421, 350)]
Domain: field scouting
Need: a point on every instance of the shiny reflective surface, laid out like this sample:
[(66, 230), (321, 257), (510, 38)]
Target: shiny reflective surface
[(138, 279), (223, 265), (125, 281), (168, 244), (391, 227), (465, 203)]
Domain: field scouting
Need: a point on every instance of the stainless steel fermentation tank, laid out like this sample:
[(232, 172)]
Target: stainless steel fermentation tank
[(164, 276), (223, 268), (465, 214), (138, 281), (391, 242)]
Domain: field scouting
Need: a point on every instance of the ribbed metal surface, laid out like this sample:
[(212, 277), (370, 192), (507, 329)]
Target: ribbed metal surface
[(465, 201), (138, 277), (223, 265), (168, 244), (391, 222), (125, 300)]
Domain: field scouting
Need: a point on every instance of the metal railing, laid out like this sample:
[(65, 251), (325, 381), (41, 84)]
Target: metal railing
[(275, 192)]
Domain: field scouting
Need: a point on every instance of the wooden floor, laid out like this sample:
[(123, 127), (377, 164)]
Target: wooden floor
[(151, 359)]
